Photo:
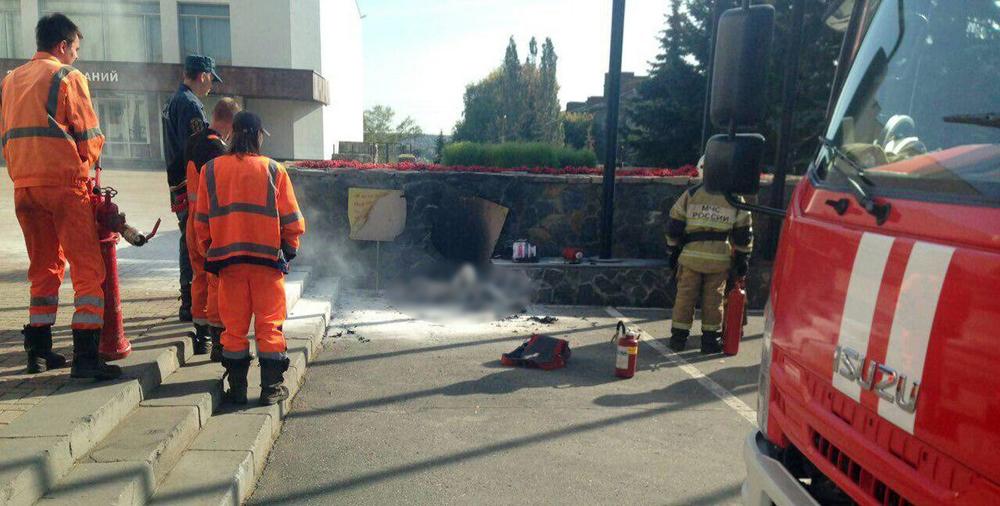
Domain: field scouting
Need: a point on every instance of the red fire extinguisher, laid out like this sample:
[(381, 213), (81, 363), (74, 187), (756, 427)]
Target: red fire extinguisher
[(732, 325), (627, 351), (111, 226)]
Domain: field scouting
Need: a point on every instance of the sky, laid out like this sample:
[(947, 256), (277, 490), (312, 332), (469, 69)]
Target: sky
[(420, 54)]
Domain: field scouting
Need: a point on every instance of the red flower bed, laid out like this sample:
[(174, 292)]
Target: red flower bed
[(687, 170)]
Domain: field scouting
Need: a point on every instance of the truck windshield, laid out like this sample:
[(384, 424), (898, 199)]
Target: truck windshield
[(919, 112)]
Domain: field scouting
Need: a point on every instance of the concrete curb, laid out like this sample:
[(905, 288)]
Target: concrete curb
[(42, 450), (223, 464)]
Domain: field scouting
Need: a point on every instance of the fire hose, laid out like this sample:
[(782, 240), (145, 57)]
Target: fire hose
[(111, 226)]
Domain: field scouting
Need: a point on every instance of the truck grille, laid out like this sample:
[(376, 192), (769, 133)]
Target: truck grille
[(850, 469)]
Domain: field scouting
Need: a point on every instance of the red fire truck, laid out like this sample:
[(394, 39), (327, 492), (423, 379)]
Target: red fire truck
[(880, 370)]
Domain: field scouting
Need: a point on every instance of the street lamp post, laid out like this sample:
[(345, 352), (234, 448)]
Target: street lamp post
[(612, 97)]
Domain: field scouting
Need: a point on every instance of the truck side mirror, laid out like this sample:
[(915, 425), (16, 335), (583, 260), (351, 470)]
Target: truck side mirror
[(733, 164), (739, 75)]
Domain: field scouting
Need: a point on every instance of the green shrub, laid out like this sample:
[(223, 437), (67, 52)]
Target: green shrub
[(516, 154)]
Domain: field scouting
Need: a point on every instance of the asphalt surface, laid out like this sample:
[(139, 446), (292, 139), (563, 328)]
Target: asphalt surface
[(409, 411)]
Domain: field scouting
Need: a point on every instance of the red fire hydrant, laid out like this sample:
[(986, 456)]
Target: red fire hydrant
[(111, 227)]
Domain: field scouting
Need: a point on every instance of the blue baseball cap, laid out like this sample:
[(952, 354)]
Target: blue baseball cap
[(199, 63)]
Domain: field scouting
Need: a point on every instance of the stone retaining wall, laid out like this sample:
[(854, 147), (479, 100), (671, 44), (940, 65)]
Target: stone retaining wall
[(553, 212)]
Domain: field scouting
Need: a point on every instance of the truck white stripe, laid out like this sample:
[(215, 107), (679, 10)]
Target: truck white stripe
[(912, 321), (859, 307)]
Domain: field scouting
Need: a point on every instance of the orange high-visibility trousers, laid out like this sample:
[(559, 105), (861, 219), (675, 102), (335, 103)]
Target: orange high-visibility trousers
[(247, 290), (204, 285), (58, 224)]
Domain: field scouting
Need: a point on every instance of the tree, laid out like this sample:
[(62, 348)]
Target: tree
[(439, 147), (578, 127), (548, 127), (380, 126), (664, 124), (511, 95), (516, 102), (482, 119)]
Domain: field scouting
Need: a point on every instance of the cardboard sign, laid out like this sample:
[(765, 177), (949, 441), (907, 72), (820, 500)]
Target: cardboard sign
[(375, 215)]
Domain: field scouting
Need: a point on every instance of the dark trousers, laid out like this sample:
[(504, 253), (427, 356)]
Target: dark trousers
[(184, 260)]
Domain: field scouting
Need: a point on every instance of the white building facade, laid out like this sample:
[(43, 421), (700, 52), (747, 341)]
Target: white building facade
[(297, 63)]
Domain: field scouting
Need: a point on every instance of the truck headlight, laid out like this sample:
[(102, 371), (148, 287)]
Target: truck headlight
[(764, 380)]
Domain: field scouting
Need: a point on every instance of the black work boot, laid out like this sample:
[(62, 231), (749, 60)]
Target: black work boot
[(236, 371), (216, 333), (38, 344), (200, 338), (86, 362), (711, 342), (184, 313), (272, 377), (678, 339)]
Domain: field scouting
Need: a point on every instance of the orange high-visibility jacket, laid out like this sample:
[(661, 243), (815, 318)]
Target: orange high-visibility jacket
[(246, 213), (50, 132)]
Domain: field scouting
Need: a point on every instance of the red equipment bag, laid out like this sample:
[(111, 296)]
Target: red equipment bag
[(732, 324), (542, 352)]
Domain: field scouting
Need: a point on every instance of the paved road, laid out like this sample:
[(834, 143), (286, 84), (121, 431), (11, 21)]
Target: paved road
[(406, 411)]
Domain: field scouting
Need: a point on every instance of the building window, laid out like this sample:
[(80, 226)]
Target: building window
[(204, 30), (114, 30), (10, 27), (124, 120)]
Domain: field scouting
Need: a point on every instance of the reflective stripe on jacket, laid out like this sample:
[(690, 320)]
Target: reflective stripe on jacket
[(50, 132), (246, 213), (696, 218)]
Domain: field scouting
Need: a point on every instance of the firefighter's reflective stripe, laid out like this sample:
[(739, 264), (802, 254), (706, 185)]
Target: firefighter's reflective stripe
[(697, 213)]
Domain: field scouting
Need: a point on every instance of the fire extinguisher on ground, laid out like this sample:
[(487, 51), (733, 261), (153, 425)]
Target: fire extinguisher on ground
[(111, 226), (732, 324), (626, 351)]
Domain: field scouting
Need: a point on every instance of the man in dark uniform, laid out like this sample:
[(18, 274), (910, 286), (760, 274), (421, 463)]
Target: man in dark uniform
[(182, 116)]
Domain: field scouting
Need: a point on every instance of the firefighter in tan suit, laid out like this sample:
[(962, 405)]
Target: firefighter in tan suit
[(708, 238)]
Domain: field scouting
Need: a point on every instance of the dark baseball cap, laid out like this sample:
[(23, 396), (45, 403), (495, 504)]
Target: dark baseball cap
[(245, 121), (198, 63)]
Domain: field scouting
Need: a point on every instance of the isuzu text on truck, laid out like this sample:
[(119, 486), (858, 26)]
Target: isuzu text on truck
[(880, 371)]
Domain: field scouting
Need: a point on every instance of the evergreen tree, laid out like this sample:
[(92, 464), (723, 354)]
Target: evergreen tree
[(439, 147), (664, 124), (517, 102), (548, 126), (511, 95)]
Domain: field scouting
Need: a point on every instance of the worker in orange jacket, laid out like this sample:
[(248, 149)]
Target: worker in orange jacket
[(248, 224), (51, 139), (205, 144)]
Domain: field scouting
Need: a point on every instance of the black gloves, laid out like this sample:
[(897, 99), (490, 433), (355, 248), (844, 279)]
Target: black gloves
[(741, 264), (675, 254)]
